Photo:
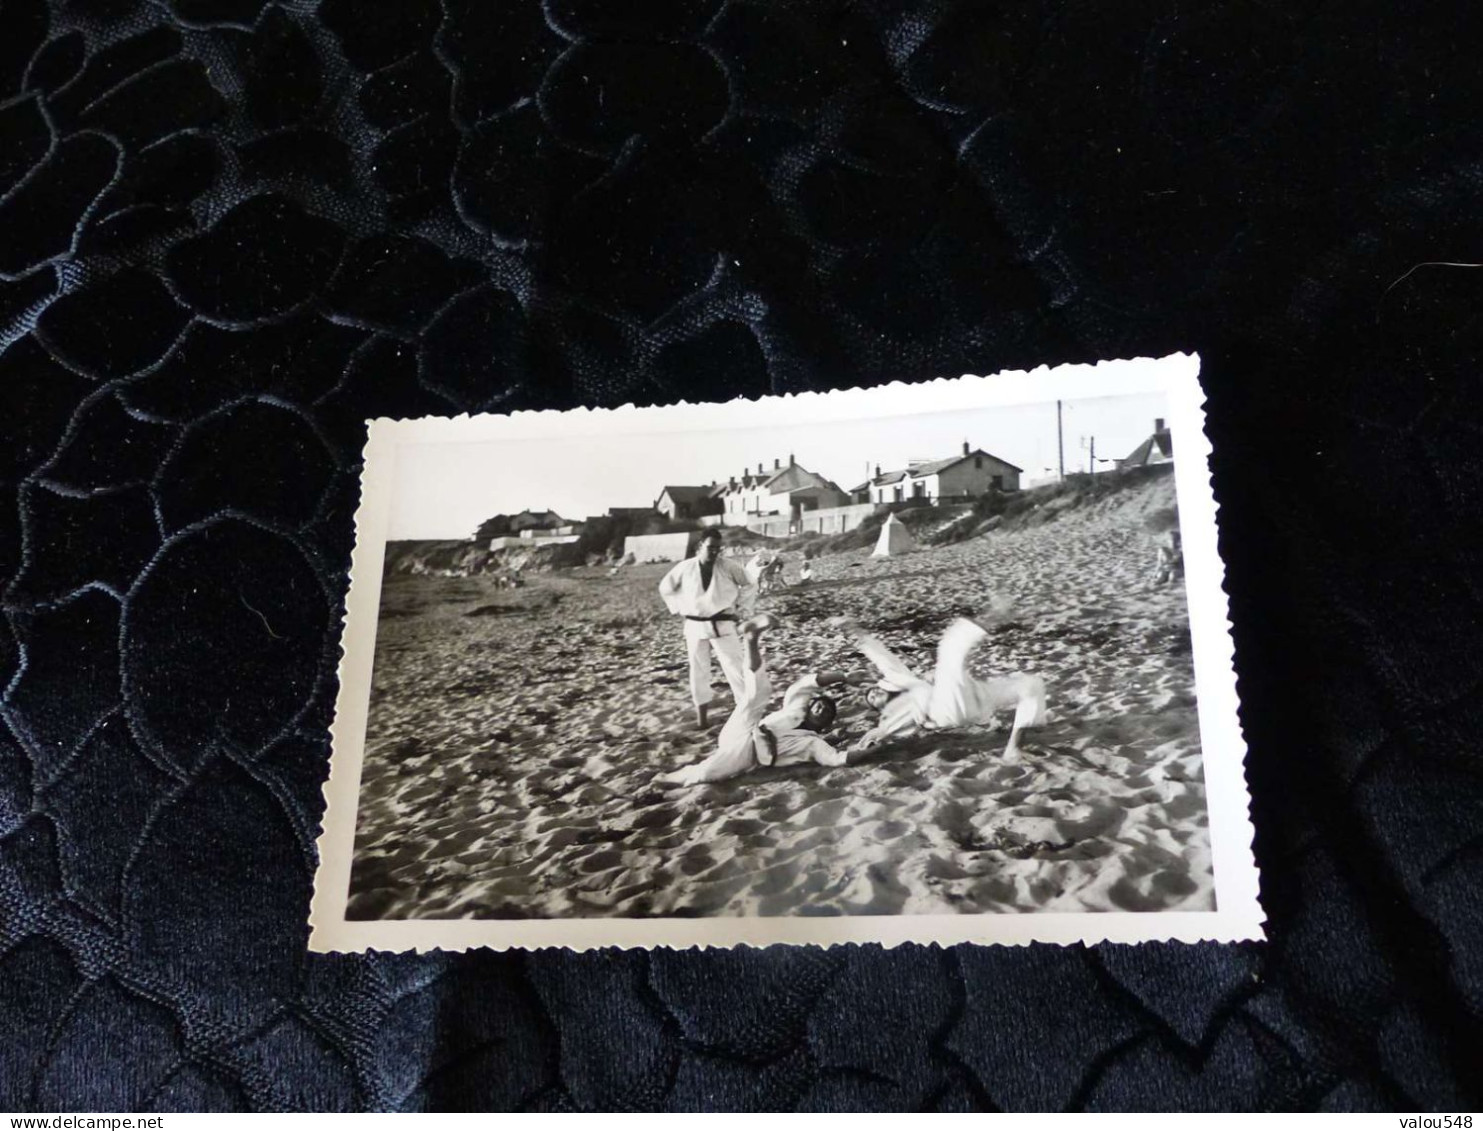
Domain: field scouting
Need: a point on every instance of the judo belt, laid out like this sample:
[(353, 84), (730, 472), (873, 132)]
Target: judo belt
[(712, 620), (764, 742)]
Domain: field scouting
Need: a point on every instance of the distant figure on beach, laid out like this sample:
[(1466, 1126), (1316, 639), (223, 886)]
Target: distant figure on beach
[(952, 698), (712, 593), (752, 737), (757, 566), (769, 573), (1169, 559), (806, 572)]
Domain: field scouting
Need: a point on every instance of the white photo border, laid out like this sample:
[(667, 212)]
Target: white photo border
[(1237, 915)]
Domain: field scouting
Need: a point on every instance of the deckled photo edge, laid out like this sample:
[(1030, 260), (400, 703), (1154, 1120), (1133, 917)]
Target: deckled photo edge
[(1222, 742), (336, 841), (1237, 915)]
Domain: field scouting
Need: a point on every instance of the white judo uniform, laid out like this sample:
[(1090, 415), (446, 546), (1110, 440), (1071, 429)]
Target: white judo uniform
[(711, 614), (952, 697), (735, 749)]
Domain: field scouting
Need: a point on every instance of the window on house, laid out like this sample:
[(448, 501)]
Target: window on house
[(998, 482), (978, 463), (919, 490)]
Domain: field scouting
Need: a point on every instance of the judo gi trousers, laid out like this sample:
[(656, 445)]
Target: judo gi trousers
[(702, 638), (953, 697)]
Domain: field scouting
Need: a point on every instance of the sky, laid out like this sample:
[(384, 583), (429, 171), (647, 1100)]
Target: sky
[(447, 490)]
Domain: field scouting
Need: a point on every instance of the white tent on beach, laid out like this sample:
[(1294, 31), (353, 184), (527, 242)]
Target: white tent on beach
[(895, 539)]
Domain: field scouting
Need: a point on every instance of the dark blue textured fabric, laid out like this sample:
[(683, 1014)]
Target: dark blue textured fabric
[(232, 230)]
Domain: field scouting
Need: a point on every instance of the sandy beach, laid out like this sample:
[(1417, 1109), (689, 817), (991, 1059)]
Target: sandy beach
[(514, 734)]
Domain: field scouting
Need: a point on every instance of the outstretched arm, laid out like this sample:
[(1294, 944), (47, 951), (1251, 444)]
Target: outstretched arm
[(824, 753), (894, 673)]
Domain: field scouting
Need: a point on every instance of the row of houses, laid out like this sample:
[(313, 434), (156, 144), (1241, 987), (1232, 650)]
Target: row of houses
[(792, 490), (789, 498)]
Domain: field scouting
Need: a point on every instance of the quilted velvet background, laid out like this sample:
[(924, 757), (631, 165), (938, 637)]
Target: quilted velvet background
[(232, 230)]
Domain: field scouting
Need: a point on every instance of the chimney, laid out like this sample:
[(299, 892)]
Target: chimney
[(965, 447), (776, 463), (1158, 424), (791, 460), (877, 471), (733, 482), (759, 469)]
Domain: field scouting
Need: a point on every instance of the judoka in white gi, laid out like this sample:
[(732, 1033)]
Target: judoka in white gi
[(952, 697), (752, 737), (713, 594)]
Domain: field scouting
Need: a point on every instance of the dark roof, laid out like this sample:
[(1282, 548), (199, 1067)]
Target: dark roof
[(932, 467), (686, 494), (746, 482), (817, 489), (943, 464), (804, 479), (1162, 441), (925, 469), (803, 476), (544, 518)]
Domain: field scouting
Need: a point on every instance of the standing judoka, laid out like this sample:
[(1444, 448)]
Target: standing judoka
[(712, 593)]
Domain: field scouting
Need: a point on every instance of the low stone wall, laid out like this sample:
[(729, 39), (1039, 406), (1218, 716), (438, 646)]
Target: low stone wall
[(657, 547), (512, 543), (835, 520), (770, 526), (825, 520)]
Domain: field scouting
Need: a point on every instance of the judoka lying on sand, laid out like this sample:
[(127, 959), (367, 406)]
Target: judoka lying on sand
[(751, 736), (952, 698)]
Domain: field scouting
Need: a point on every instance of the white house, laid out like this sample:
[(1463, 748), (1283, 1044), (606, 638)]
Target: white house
[(785, 490), (971, 473)]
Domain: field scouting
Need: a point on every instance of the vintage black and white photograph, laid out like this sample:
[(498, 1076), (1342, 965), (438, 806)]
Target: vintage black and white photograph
[(790, 670)]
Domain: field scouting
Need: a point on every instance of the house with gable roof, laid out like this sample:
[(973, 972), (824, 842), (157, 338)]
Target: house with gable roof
[(970, 473), (536, 520), (784, 491), (688, 502)]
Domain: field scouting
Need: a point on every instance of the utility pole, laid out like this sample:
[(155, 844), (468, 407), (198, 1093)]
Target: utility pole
[(1060, 443), (1092, 466)]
